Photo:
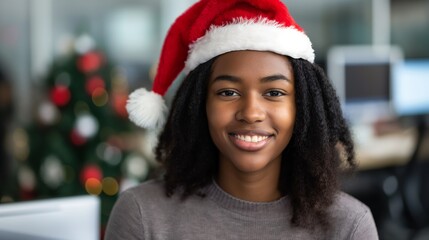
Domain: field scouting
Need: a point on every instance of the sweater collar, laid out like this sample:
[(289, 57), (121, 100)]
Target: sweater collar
[(277, 209)]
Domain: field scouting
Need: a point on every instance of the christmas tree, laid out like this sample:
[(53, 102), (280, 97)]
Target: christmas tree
[(80, 141)]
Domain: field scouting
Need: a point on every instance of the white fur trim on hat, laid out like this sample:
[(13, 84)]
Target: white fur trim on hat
[(146, 109), (244, 34)]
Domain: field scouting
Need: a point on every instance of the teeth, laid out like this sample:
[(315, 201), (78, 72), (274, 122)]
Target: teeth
[(253, 139)]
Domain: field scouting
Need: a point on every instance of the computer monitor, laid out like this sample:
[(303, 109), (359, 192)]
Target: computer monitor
[(361, 76), (61, 218), (410, 87)]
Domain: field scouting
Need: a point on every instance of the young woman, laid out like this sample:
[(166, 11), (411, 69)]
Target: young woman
[(255, 138)]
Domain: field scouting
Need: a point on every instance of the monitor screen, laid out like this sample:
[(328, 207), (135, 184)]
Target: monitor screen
[(410, 87), (367, 82), (361, 76), (61, 218)]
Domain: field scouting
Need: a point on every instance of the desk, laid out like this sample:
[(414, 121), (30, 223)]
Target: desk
[(383, 150)]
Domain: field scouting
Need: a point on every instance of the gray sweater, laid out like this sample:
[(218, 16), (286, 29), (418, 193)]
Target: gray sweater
[(144, 212)]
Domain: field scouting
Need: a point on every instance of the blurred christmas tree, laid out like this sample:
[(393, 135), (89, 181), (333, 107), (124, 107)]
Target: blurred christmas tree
[(81, 141)]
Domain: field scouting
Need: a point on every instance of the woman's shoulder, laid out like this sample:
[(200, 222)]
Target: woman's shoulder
[(147, 191), (136, 207), (155, 185), (347, 209), (348, 205), (352, 218), (149, 198)]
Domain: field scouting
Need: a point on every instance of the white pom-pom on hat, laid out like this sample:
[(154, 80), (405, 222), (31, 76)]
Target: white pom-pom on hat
[(146, 109)]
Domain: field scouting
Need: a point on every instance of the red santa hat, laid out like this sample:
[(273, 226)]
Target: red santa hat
[(208, 29)]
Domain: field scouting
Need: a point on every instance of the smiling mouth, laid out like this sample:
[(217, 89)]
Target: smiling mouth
[(251, 139)]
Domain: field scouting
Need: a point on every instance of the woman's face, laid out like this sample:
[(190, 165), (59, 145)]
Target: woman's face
[(251, 109)]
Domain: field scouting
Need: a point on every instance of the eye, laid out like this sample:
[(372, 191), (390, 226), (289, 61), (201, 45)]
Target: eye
[(274, 93), (227, 93)]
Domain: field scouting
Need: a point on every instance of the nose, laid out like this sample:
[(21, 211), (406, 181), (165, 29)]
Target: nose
[(251, 110)]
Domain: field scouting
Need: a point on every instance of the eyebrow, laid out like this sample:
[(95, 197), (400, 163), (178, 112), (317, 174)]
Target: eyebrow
[(275, 78), (270, 78)]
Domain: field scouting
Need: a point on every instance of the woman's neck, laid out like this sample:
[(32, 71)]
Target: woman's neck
[(254, 187)]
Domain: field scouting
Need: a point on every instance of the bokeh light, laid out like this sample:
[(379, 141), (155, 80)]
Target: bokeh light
[(93, 186), (26, 178), (111, 154), (20, 144), (100, 97), (87, 125), (110, 186)]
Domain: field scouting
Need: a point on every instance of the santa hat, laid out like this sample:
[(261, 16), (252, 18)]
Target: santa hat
[(208, 29)]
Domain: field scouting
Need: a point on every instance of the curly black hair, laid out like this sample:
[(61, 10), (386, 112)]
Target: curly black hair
[(311, 162)]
